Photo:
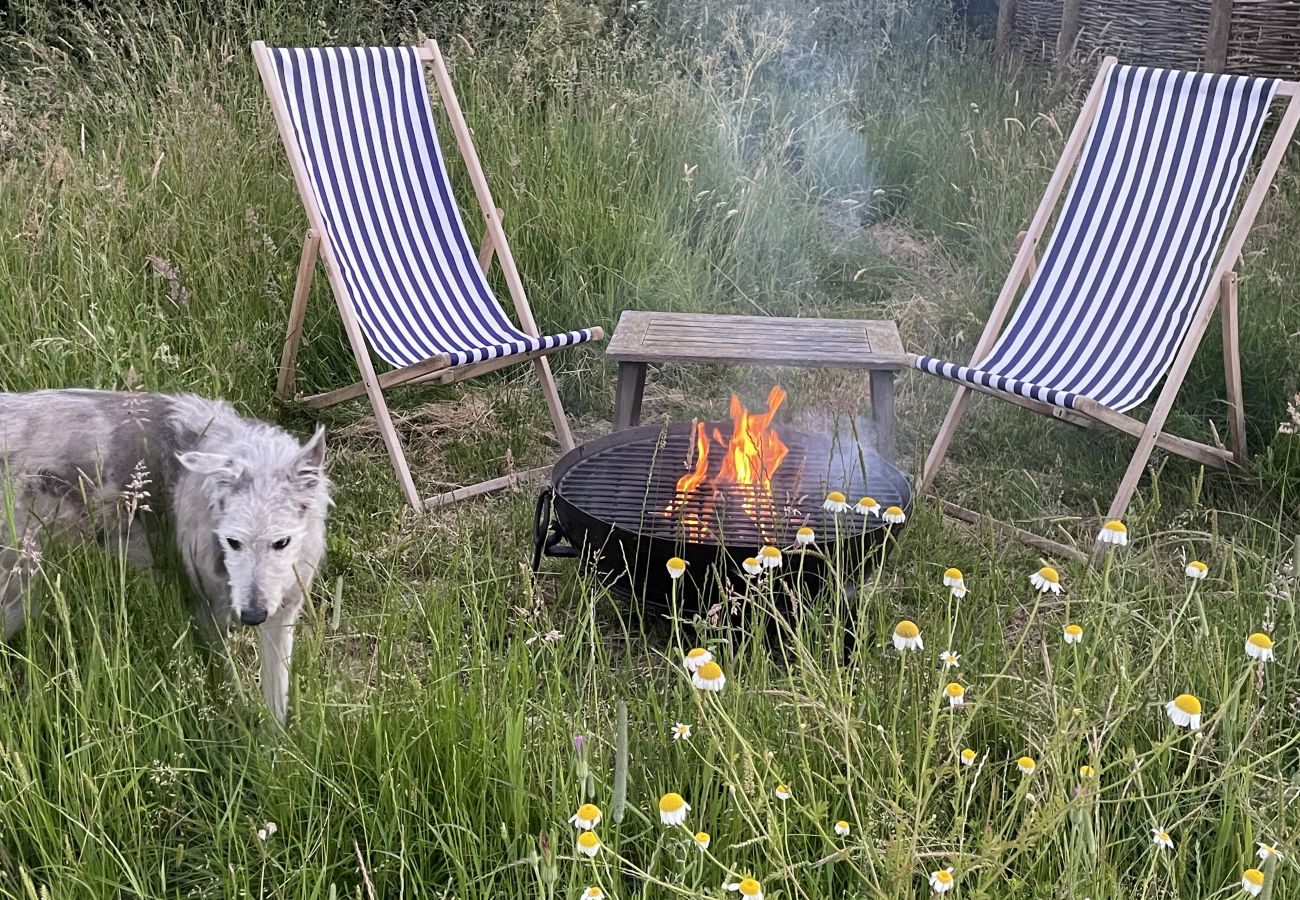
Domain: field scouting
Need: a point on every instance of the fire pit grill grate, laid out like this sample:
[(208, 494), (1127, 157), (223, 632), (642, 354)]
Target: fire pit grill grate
[(631, 483)]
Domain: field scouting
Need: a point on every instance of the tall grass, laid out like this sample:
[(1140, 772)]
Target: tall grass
[(754, 158)]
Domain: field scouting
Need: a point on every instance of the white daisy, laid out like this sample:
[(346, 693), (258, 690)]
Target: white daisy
[(867, 506), (697, 657), (894, 515), (702, 840), (835, 503), (967, 756), (955, 582), (1113, 532), (770, 557), (588, 844), (752, 566), (950, 659), (1260, 646), (1073, 634), (673, 809), (782, 792), (907, 636), (942, 880), (955, 693), (1196, 570), (1185, 711), (587, 817), (681, 732), (1161, 839), (676, 568), (749, 888), (1252, 882), (1046, 579), (842, 828), (1268, 851), (709, 677), (592, 893), (805, 536), (1026, 765)]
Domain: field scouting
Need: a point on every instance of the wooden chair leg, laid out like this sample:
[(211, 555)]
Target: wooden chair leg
[(1232, 367), (553, 404), (943, 439), (488, 249), (285, 386)]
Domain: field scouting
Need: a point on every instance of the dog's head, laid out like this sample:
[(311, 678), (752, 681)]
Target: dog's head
[(268, 507)]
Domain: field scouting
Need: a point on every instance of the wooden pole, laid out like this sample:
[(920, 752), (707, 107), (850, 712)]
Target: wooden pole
[(1006, 25), (1069, 33), (1216, 40)]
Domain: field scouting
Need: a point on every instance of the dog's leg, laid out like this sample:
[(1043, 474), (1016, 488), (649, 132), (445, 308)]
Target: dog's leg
[(276, 636), (20, 557)]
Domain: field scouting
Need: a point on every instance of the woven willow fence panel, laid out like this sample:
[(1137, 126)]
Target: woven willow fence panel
[(1263, 35)]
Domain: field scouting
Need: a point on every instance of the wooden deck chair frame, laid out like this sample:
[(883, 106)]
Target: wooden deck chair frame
[(438, 369), (1221, 291)]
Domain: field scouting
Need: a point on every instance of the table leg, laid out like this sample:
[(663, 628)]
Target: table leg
[(882, 412), (627, 395)]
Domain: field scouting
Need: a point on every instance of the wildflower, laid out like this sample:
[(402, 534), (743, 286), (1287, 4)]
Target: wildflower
[(1252, 882), (579, 743), (955, 693), (1185, 711), (588, 843), (1046, 579), (770, 557), (867, 506), (702, 840), (1073, 634), (696, 658), (587, 817), (749, 888), (1113, 532), (782, 792), (592, 893), (1086, 771), (1196, 570), (709, 677), (835, 503), (1260, 646), (681, 732), (752, 566), (941, 880), (907, 636), (1268, 851), (894, 515), (673, 809), (949, 659), (954, 580), (676, 568), (1026, 765), (805, 536), (842, 828), (968, 757), (1161, 839)]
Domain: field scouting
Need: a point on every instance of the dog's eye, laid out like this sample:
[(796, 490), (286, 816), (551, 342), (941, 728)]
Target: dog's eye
[(234, 544), (280, 544)]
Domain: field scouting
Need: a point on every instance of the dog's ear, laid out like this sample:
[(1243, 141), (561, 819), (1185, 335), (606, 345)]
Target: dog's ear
[(309, 465), (217, 467)]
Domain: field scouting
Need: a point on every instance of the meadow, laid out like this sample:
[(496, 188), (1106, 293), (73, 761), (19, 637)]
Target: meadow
[(858, 158)]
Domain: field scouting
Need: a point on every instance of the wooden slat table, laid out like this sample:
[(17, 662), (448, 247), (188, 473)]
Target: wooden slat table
[(656, 337)]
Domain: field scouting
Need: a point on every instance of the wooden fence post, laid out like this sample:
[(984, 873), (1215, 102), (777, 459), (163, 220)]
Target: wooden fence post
[(1069, 32), (1006, 21), (1216, 41)]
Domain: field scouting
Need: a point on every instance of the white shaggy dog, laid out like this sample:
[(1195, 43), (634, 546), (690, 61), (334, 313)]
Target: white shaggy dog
[(245, 502)]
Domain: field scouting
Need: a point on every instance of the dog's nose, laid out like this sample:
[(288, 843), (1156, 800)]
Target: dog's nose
[(252, 616)]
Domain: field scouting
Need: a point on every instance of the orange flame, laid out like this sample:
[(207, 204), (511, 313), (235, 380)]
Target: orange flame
[(750, 457)]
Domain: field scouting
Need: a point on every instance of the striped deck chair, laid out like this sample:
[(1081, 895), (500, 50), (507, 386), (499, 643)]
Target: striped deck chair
[(358, 128), (1135, 265)]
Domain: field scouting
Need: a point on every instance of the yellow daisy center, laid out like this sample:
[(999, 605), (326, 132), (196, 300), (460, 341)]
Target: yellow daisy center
[(1050, 574), (841, 825), (709, 671), (1260, 640), (697, 653), (701, 837), (750, 888), (835, 497), (1163, 836), (894, 511), (588, 812), (868, 502), (1073, 630), (769, 552), (968, 754), (1254, 876), (954, 689), (677, 563), (1025, 762), (1188, 704), (952, 573), (782, 789), (907, 629), (1087, 771), (805, 532), (1198, 566), (1116, 526), (671, 803), (588, 839), (943, 877), (751, 561)]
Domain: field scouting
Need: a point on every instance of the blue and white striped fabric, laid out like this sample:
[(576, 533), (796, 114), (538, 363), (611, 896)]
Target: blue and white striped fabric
[(1135, 243), (363, 124)]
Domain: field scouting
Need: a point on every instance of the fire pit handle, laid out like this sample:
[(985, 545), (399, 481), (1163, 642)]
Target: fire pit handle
[(547, 536)]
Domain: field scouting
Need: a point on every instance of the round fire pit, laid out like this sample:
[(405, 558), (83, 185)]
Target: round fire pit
[(617, 503)]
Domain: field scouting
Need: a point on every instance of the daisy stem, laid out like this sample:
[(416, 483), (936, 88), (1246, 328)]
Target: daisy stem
[(1204, 623), (1270, 868)]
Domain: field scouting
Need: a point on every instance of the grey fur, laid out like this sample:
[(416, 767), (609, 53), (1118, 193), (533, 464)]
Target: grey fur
[(88, 464)]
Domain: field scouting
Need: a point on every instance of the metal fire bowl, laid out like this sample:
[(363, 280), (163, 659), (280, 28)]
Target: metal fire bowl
[(607, 498)]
